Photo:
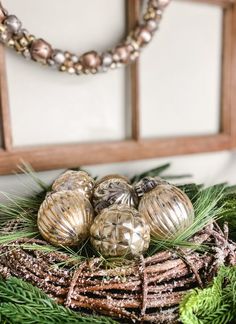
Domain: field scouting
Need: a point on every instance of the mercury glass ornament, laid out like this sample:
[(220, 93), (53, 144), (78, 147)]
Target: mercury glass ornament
[(64, 218), (75, 180), (113, 189), (166, 208), (119, 231)]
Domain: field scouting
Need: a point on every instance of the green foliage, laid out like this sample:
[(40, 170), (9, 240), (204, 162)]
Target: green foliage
[(150, 173), (20, 302), (215, 304), (228, 213)]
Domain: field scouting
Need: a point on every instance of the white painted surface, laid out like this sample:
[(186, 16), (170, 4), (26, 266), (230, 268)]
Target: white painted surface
[(49, 107), (181, 73)]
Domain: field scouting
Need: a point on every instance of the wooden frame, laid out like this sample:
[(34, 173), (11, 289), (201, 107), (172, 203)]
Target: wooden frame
[(63, 156)]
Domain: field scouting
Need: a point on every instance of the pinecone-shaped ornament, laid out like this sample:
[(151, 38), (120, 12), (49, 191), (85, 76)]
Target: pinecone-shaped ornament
[(119, 231), (65, 218), (113, 189), (166, 208)]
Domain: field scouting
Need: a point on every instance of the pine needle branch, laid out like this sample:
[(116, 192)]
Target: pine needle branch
[(215, 304), (20, 302)]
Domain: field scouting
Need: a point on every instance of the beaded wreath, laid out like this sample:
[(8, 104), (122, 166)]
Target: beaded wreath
[(13, 35)]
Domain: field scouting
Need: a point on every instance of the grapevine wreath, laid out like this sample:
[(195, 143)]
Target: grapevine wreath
[(118, 250)]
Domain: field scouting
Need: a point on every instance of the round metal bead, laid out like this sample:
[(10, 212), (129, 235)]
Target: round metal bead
[(64, 218), (3, 13), (5, 34), (107, 60), (75, 180), (58, 57), (113, 189), (13, 23), (163, 4), (41, 51), (167, 210), (151, 25), (91, 60), (143, 36), (119, 231), (122, 54)]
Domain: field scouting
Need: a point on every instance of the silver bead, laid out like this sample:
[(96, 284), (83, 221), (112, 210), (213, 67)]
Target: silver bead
[(107, 60), (27, 54), (58, 57), (162, 4), (74, 58), (13, 23), (151, 25)]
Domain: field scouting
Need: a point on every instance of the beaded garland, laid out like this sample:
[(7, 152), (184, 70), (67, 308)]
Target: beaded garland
[(13, 35)]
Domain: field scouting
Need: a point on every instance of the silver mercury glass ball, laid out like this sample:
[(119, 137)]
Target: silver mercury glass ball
[(79, 181), (13, 23), (167, 209), (113, 189), (120, 231)]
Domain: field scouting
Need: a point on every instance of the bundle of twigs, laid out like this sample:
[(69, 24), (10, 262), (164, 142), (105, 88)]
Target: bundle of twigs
[(148, 289)]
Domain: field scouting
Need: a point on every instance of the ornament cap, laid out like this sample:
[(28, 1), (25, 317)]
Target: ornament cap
[(147, 184)]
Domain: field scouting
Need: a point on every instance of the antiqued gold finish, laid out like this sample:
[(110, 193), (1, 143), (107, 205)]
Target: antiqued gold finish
[(64, 218), (113, 189), (75, 180), (119, 231), (167, 210)]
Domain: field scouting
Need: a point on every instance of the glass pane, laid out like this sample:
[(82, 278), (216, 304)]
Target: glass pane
[(181, 73), (49, 107)]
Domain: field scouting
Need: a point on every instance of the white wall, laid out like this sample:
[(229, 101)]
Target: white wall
[(180, 84)]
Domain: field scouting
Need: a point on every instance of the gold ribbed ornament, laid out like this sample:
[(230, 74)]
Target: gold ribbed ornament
[(75, 180), (166, 209), (119, 231), (64, 218), (113, 189)]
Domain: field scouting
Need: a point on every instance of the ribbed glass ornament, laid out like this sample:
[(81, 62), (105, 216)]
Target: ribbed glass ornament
[(167, 210), (65, 218)]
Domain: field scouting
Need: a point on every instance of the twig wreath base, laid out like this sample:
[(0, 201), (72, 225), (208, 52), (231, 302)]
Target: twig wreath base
[(149, 289)]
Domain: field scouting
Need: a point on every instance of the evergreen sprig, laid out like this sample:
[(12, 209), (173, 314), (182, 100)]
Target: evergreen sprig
[(20, 302), (215, 304)]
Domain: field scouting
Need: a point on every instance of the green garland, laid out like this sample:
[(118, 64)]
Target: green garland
[(213, 305), (20, 303)]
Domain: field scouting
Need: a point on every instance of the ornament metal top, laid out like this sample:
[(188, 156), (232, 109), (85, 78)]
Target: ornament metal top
[(166, 208), (64, 218), (113, 189), (120, 231), (75, 180)]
